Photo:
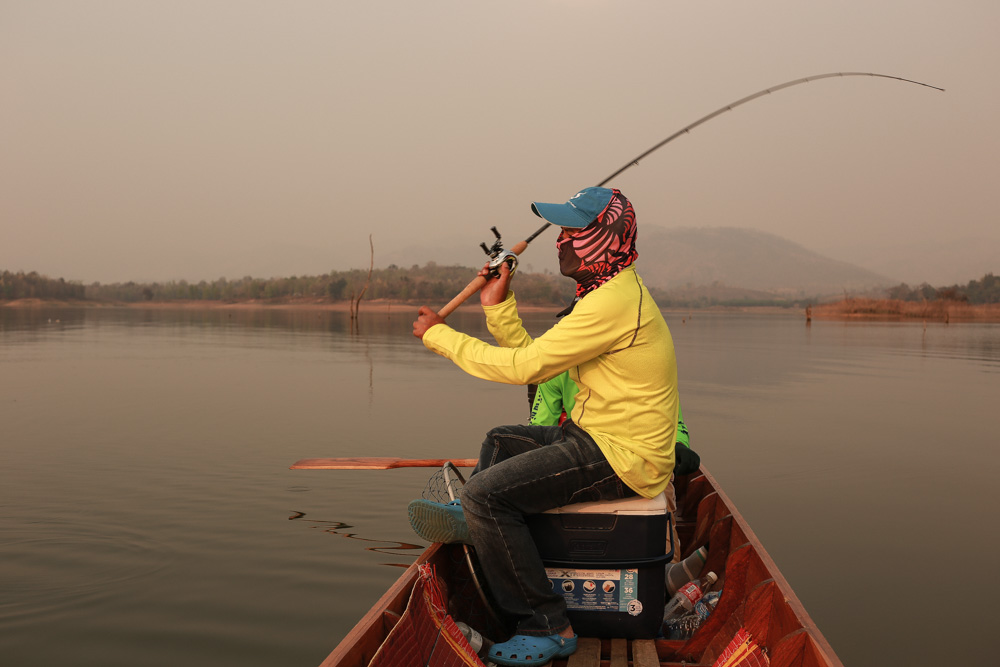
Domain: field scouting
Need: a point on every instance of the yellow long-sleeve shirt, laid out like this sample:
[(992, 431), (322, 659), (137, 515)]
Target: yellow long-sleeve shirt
[(618, 350)]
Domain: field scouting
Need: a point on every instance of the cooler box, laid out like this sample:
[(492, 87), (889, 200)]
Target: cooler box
[(607, 559)]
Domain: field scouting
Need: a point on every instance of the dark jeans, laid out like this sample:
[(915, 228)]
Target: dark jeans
[(527, 470)]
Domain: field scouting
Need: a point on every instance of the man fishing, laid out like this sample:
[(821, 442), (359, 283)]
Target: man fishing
[(618, 442)]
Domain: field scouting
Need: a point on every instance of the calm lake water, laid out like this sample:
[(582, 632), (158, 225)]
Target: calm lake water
[(148, 516)]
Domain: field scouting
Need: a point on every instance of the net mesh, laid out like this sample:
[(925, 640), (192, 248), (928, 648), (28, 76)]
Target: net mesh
[(444, 485)]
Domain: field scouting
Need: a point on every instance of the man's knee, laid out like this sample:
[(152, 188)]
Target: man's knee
[(474, 495), (501, 431)]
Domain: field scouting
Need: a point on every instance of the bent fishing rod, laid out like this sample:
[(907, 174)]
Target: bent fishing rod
[(500, 256)]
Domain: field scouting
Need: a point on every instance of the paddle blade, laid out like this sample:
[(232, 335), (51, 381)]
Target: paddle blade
[(377, 463)]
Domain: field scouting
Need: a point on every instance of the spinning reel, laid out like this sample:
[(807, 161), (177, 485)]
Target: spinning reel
[(498, 255)]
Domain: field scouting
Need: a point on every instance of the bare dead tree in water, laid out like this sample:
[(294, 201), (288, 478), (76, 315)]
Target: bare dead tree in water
[(356, 302)]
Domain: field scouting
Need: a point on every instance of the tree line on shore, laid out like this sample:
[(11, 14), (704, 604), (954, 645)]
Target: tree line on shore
[(426, 284), (985, 290), (32, 285), (429, 283)]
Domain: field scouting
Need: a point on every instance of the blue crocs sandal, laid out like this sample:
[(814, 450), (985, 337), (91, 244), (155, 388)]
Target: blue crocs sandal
[(527, 650), (437, 522)]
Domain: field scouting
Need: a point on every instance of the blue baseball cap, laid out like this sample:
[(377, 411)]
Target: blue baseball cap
[(581, 209)]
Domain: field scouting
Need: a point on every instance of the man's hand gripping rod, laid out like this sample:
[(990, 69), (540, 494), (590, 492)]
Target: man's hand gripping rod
[(497, 256)]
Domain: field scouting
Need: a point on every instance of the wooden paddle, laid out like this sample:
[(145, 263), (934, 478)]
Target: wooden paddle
[(377, 463)]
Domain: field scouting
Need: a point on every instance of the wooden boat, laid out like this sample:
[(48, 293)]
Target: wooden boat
[(757, 606)]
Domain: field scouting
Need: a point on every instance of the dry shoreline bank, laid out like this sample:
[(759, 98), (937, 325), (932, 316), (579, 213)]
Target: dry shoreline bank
[(845, 310), (379, 306), (946, 312)]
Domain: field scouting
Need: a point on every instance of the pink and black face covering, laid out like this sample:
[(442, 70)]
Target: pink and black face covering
[(605, 243)]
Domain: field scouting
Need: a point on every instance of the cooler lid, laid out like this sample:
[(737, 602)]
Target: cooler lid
[(635, 505)]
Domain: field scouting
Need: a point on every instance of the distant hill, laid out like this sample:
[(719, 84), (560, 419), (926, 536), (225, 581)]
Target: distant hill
[(686, 258), (724, 262)]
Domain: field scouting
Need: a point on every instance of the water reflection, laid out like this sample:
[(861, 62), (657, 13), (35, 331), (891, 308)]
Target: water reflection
[(374, 323), (146, 450), (336, 528), (51, 566)]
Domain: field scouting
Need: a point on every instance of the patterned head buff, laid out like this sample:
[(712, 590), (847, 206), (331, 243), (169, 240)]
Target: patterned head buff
[(598, 252)]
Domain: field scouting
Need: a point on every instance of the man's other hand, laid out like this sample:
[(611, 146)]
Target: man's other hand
[(426, 318)]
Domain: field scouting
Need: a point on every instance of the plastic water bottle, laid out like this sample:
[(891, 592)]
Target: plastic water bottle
[(481, 645), (706, 605), (687, 595), (685, 625), (682, 627), (678, 574)]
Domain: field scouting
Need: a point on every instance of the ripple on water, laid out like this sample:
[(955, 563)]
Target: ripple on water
[(51, 568)]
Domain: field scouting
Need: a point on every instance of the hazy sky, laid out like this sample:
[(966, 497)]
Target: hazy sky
[(167, 140)]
